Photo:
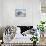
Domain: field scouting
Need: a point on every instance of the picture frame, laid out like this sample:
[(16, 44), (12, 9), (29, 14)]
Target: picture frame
[(20, 12)]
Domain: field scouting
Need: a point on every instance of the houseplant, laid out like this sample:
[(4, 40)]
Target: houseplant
[(34, 39), (41, 27)]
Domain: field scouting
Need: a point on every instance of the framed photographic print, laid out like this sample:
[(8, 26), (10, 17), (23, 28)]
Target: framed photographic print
[(20, 12)]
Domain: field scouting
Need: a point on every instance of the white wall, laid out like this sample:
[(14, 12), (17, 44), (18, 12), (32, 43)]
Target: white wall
[(0, 12), (32, 12), (36, 12)]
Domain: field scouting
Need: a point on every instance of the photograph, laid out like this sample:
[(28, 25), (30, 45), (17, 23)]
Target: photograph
[(20, 12)]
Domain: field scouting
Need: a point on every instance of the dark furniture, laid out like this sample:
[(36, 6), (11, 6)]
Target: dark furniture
[(25, 28)]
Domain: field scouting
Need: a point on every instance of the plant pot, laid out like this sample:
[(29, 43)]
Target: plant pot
[(42, 34)]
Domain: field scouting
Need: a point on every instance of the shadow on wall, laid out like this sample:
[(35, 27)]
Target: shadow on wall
[(1, 32)]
